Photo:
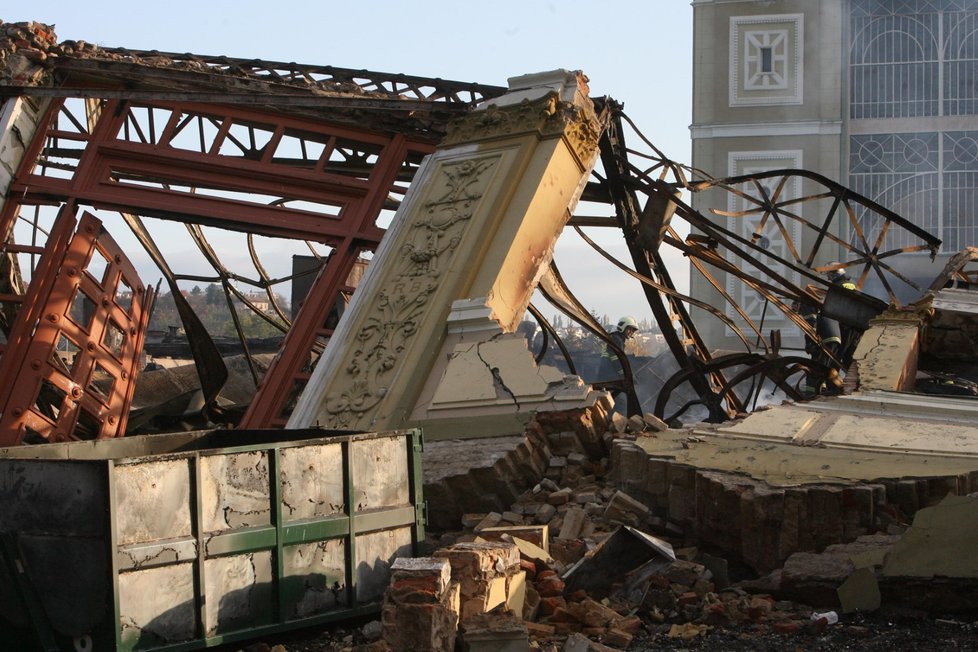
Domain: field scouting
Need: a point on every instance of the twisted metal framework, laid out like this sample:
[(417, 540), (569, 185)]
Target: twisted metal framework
[(324, 155), (645, 188)]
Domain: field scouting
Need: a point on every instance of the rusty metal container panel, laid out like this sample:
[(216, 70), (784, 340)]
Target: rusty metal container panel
[(183, 542)]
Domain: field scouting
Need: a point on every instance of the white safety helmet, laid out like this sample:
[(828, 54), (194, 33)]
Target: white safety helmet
[(626, 322)]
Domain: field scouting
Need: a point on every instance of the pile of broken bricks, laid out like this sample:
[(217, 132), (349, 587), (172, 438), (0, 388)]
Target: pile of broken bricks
[(571, 566)]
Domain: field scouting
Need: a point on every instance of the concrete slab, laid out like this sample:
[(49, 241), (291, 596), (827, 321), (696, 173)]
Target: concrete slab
[(786, 463), (844, 423)]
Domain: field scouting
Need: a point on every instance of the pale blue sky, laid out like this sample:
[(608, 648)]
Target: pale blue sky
[(637, 51)]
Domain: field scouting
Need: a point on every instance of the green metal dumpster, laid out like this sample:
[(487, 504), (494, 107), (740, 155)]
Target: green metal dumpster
[(189, 540)]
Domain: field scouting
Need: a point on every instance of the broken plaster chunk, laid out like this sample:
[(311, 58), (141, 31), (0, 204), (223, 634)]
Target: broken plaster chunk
[(618, 423), (654, 423), (940, 542), (635, 424), (538, 535)]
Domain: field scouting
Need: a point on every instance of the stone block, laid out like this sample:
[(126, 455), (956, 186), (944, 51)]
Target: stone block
[(860, 592), (625, 509), (545, 513), (560, 497), (574, 521), (654, 423), (511, 517), (491, 519)]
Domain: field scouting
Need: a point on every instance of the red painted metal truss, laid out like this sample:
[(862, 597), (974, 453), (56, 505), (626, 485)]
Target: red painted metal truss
[(73, 348), (262, 173)]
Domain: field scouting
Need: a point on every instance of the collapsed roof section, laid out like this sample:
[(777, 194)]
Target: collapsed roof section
[(326, 156)]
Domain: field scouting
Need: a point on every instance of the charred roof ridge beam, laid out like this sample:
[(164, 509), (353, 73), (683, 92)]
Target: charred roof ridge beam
[(235, 67)]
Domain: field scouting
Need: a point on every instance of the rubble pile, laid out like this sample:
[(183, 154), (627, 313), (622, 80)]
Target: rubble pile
[(24, 49), (602, 570), (577, 562), (28, 51), (569, 522)]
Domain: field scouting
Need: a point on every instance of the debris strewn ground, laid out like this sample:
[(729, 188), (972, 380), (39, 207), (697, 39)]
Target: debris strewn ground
[(574, 563)]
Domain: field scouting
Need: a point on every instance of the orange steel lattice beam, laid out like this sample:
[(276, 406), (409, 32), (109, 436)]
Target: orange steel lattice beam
[(122, 161), (89, 306)]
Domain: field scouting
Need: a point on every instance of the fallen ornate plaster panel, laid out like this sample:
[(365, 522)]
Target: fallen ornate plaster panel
[(477, 226)]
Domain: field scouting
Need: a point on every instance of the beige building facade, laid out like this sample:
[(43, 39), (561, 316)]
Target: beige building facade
[(877, 95)]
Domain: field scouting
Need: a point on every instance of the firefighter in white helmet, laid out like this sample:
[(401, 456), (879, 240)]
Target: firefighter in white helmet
[(610, 365)]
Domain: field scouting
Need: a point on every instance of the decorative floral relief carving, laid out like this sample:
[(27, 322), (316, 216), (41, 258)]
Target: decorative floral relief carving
[(547, 116), (428, 247)]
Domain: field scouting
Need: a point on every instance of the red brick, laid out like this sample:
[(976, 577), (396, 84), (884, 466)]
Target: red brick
[(788, 627), (689, 597), (550, 587), (549, 605), (617, 638)]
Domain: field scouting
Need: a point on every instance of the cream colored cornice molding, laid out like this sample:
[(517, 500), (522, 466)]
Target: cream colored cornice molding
[(755, 130), (547, 116)]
